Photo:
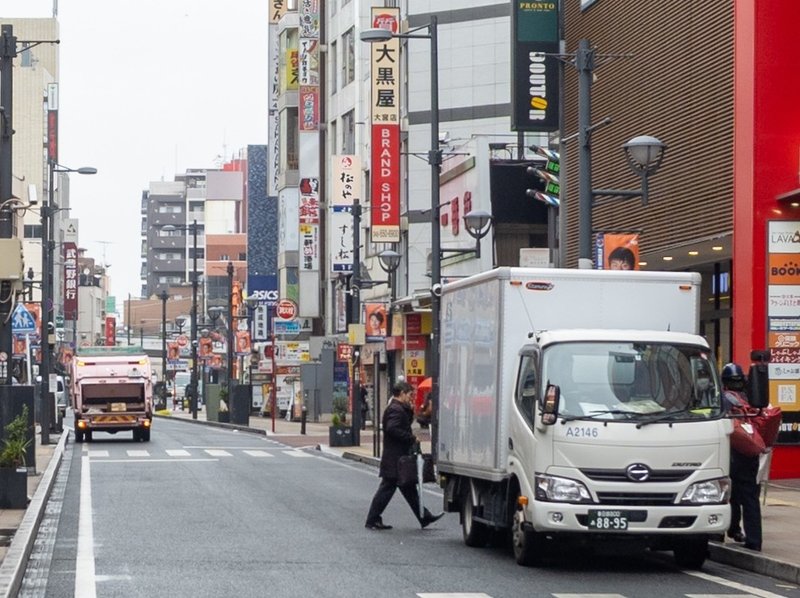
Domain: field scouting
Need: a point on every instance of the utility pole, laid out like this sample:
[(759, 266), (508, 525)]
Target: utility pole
[(8, 51)]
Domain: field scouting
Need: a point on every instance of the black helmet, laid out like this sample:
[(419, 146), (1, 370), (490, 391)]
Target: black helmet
[(732, 372)]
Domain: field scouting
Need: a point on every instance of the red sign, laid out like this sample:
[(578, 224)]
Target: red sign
[(286, 309), (71, 281), (385, 183), (111, 331), (344, 352)]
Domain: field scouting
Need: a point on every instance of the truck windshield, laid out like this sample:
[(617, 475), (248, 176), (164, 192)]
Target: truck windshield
[(636, 382)]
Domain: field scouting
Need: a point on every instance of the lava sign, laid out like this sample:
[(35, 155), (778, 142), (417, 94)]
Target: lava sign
[(286, 309)]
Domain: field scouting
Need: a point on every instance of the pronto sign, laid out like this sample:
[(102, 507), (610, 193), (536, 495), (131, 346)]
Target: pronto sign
[(286, 309)]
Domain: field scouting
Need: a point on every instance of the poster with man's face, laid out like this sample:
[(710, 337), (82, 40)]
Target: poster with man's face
[(242, 342), (375, 321), (618, 251)]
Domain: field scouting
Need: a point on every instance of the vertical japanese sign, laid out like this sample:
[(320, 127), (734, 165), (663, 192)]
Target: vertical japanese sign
[(535, 69), (345, 186), (111, 331), (783, 324), (71, 281), (385, 133), (308, 65), (277, 8), (52, 122), (309, 201), (617, 251)]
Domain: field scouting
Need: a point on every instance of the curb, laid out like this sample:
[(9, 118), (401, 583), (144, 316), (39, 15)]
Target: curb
[(741, 558), (16, 561), (221, 425)]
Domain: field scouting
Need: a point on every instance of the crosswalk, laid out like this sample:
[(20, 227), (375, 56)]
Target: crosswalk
[(585, 595), (183, 453)]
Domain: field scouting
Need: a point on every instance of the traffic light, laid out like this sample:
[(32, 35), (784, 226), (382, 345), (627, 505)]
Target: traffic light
[(548, 175)]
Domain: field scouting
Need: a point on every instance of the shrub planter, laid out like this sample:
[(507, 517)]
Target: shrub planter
[(340, 436), (13, 487), (224, 417)]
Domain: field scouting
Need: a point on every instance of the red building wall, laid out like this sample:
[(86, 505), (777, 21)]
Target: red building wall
[(766, 165)]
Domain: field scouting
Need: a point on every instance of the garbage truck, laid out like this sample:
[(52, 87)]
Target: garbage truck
[(581, 406), (112, 391)]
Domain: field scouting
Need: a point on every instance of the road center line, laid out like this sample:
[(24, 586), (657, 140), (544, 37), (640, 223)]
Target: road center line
[(85, 585)]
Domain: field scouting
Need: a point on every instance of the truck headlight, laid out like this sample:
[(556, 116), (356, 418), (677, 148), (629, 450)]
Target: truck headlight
[(709, 492), (554, 489)]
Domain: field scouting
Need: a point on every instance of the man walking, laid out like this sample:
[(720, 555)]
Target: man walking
[(398, 440)]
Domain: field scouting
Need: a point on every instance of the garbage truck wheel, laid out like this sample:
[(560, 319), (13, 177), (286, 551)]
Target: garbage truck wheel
[(690, 553)]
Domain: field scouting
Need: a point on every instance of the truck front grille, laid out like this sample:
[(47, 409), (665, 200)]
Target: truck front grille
[(618, 475), (636, 499)]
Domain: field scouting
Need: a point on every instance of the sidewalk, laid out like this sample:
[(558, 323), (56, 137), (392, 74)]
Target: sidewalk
[(780, 513)]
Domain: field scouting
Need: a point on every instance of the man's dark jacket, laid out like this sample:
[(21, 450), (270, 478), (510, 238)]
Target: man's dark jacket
[(398, 439)]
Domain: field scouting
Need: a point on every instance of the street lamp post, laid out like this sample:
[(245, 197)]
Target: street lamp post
[(389, 261), (164, 296), (230, 271), (48, 246), (644, 155)]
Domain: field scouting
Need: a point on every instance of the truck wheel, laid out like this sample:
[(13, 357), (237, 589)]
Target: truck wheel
[(690, 553), (145, 435), (136, 435), (524, 543), (78, 435), (88, 435), (475, 533)]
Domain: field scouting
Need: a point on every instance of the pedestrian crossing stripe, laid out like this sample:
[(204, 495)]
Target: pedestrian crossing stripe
[(184, 454)]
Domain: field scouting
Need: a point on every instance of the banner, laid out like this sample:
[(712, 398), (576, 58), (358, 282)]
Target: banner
[(71, 281), (345, 185), (385, 131), (111, 331), (617, 251), (375, 319), (535, 67)]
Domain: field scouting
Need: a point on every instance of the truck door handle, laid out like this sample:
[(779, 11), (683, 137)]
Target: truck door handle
[(510, 444)]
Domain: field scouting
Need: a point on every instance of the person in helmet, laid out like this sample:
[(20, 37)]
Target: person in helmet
[(745, 490)]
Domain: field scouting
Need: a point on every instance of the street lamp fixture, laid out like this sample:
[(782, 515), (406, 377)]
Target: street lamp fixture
[(48, 247), (164, 296), (477, 224), (389, 261)]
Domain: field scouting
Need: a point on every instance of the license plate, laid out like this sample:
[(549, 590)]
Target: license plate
[(119, 406), (608, 520)]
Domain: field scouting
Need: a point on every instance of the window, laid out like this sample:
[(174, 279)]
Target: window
[(167, 209), (33, 231), (526, 388), (290, 133), (201, 253), (334, 66), (224, 257), (243, 256), (169, 255), (348, 56), (169, 233), (349, 132)]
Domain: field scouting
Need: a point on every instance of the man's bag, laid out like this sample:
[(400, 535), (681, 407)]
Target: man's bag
[(407, 470)]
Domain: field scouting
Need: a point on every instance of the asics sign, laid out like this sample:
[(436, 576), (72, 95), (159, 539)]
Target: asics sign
[(265, 296)]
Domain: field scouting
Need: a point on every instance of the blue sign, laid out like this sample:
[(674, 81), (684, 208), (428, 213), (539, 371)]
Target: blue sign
[(22, 321), (287, 326), (263, 287)]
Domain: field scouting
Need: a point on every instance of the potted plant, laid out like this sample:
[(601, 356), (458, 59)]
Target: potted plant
[(340, 433), (13, 473), (224, 415)]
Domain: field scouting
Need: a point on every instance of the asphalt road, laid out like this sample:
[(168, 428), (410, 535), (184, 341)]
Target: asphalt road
[(201, 511)]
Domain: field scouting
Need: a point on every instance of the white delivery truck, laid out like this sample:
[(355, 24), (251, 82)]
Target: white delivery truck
[(581, 405)]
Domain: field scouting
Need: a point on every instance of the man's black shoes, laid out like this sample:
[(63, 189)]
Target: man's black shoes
[(378, 525), (430, 518)]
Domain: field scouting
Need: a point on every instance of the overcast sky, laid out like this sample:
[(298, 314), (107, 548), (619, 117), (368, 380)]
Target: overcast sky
[(149, 88)]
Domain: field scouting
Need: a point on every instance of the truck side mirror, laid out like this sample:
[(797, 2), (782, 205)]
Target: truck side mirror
[(758, 385), (552, 395)]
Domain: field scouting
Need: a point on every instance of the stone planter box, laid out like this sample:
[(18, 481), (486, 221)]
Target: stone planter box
[(340, 436), (13, 488)]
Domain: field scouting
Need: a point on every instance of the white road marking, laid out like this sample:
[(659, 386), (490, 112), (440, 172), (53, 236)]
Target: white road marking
[(97, 453), (85, 586), (588, 595), (138, 453), (720, 596), (734, 585), (218, 453), (296, 454), (453, 595), (178, 453), (151, 460), (258, 453)]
